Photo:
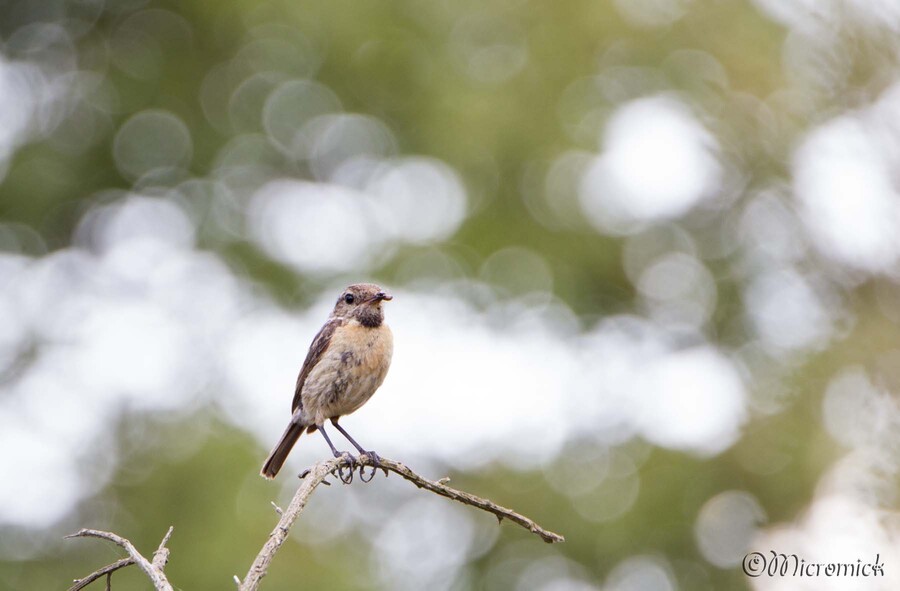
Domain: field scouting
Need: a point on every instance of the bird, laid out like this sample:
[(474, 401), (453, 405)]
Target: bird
[(346, 363)]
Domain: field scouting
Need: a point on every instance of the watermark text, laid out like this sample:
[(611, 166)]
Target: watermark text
[(775, 564)]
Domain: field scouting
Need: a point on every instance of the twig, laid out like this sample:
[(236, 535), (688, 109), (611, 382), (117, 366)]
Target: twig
[(311, 480), (468, 499), (316, 476), (161, 556), (154, 570), (107, 570)]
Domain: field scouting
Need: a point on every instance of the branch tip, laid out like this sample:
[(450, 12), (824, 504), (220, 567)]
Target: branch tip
[(153, 570)]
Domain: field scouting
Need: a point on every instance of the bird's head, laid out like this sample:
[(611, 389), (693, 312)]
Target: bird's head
[(362, 301)]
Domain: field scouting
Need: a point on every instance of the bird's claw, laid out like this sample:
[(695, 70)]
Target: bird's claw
[(346, 478), (367, 457), (376, 464)]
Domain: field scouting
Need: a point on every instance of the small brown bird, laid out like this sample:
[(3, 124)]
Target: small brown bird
[(346, 363)]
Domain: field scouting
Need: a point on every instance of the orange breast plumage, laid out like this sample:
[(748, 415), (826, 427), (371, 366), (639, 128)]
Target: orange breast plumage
[(354, 366)]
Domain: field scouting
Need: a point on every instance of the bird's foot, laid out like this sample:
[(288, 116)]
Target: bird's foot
[(375, 461), (348, 477)]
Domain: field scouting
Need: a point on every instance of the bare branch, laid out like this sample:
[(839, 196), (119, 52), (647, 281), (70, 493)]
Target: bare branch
[(313, 478), (107, 570), (154, 572), (161, 556), (442, 489), (316, 476)]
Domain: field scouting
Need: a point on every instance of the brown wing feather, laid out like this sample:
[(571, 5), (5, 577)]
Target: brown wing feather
[(316, 350)]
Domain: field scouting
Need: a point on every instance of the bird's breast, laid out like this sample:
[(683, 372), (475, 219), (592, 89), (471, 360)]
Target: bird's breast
[(354, 366), (369, 349)]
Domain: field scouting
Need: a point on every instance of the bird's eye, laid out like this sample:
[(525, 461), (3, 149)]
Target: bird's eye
[(348, 298)]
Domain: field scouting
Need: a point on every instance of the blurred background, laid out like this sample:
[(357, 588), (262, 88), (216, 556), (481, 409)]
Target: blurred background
[(644, 256)]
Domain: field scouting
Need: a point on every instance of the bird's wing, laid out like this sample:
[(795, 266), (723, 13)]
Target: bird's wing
[(316, 352)]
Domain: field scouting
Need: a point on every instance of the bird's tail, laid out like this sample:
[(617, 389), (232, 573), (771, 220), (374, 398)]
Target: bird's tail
[(281, 450)]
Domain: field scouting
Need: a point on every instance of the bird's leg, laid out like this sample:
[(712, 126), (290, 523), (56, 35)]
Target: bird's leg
[(370, 454), (340, 471), (321, 429), (347, 435)]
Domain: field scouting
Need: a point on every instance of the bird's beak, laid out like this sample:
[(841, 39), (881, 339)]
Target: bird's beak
[(382, 295)]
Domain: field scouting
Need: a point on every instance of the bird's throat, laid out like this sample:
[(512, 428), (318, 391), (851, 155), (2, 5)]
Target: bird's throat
[(370, 316)]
